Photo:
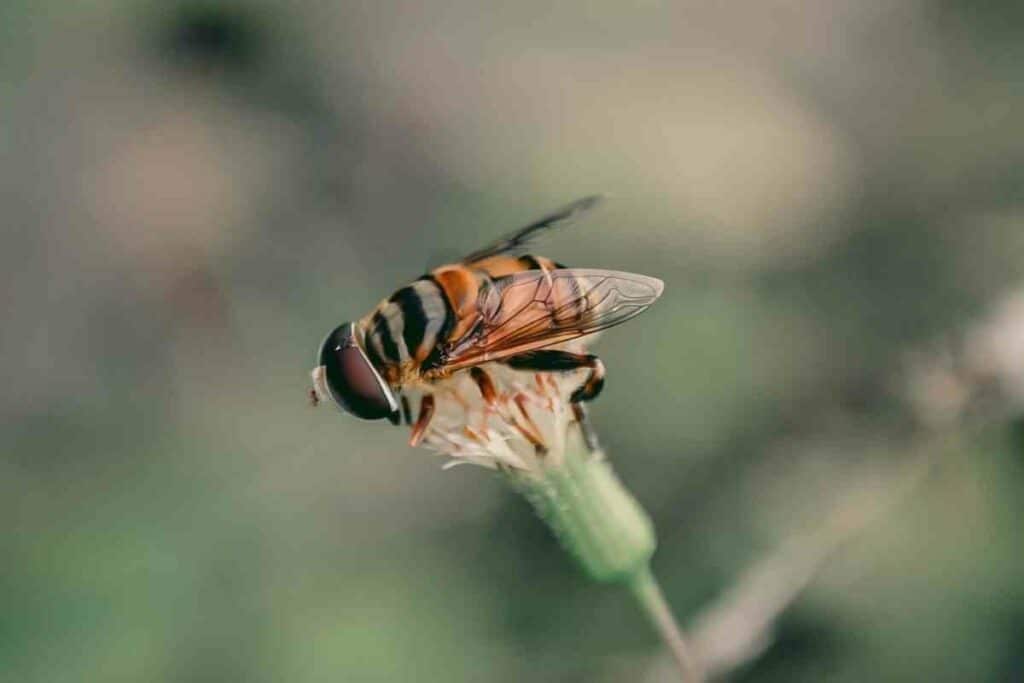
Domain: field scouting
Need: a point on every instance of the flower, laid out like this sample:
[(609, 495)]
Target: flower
[(531, 432), (524, 427)]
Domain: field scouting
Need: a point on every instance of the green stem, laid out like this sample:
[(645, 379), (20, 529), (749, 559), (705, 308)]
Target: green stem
[(593, 515), (652, 601), (603, 526)]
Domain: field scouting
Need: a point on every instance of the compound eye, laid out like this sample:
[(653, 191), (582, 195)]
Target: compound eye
[(351, 378)]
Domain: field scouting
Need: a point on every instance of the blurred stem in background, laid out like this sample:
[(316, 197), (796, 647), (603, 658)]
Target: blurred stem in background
[(951, 389)]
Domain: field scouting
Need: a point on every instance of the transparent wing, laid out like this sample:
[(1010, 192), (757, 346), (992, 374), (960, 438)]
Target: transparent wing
[(516, 240), (534, 309)]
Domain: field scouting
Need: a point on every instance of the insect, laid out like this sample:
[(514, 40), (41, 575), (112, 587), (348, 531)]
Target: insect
[(494, 305)]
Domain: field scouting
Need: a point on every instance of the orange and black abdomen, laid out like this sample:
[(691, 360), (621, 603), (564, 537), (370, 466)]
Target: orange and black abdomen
[(416, 322), (409, 325)]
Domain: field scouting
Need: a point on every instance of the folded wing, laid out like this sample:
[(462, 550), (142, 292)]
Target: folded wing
[(536, 308)]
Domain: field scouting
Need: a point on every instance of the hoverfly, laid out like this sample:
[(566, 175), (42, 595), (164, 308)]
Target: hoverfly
[(492, 306)]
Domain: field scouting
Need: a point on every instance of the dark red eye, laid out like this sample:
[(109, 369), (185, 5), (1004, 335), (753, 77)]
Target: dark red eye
[(352, 380)]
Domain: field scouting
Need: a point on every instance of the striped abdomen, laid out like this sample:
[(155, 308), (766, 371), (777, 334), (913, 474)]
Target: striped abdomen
[(408, 326), (414, 323)]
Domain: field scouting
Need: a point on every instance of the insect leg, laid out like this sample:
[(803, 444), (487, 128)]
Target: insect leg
[(423, 420), (579, 411), (487, 390), (521, 420), (564, 361), (483, 380), (406, 410)]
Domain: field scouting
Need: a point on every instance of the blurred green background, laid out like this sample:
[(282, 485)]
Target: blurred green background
[(194, 193)]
